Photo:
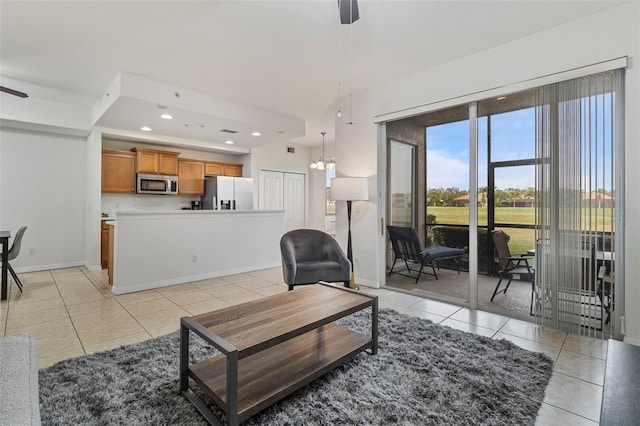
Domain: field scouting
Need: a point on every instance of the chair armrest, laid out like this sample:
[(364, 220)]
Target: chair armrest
[(519, 259), (289, 264)]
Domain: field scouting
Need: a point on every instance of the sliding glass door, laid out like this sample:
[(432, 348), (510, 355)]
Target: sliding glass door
[(545, 169)]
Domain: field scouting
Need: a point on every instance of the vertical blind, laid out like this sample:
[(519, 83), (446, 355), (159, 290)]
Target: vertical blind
[(577, 132)]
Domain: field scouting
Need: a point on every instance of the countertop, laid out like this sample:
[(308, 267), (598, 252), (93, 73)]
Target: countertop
[(186, 212)]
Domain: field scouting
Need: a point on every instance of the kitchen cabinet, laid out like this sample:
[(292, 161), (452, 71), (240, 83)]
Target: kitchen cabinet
[(156, 161), (118, 172), (214, 169), (223, 169), (190, 177), (234, 170), (104, 244)]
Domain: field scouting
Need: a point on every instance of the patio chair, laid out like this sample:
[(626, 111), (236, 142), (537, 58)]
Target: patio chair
[(407, 247), (511, 265)]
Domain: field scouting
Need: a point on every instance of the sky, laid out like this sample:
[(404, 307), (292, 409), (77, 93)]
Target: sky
[(513, 138)]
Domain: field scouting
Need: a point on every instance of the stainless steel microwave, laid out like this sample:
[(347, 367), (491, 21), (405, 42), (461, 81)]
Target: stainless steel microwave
[(157, 184)]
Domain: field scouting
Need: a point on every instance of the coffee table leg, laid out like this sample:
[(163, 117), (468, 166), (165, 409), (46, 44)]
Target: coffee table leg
[(184, 357), (374, 326), (232, 388)]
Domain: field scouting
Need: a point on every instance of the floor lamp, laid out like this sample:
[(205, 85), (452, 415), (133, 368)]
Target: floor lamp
[(349, 189)]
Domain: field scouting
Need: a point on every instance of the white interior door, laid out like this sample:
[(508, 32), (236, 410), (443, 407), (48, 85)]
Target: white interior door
[(294, 200), (271, 190)]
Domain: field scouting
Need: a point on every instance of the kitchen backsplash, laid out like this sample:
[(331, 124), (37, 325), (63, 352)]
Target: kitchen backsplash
[(112, 203)]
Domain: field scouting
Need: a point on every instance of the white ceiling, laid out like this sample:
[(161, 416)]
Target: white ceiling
[(280, 56)]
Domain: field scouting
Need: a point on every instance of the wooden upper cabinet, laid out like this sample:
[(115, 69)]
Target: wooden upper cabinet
[(234, 170), (223, 169), (214, 169), (190, 177), (118, 172), (168, 164), (156, 161)]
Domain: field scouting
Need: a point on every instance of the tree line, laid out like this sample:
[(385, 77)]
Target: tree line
[(438, 197)]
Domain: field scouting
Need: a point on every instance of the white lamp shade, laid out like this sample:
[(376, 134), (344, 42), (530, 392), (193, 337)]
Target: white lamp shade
[(349, 189)]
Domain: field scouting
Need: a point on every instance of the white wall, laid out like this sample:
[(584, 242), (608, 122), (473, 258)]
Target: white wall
[(606, 35), (42, 186)]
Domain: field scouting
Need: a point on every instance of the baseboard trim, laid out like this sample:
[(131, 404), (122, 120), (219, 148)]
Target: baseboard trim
[(631, 341), (38, 268)]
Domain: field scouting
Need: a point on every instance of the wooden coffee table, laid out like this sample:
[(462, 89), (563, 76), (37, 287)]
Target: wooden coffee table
[(272, 347)]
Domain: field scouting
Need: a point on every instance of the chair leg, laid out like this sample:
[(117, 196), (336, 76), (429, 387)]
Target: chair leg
[(533, 289), (15, 277), (394, 264), (431, 262), (496, 292), (435, 274), (419, 272)]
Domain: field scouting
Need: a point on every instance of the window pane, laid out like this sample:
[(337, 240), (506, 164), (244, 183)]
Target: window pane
[(448, 173), (513, 135), (515, 195), (330, 204), (401, 183)]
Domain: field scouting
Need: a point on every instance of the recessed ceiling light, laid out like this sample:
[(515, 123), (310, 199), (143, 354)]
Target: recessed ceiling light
[(167, 116), (229, 142), (256, 134), (501, 98), (145, 128)]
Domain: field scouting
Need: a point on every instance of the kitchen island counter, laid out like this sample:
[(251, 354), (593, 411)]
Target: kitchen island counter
[(158, 248)]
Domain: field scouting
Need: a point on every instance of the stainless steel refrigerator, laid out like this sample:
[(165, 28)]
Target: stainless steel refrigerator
[(227, 193)]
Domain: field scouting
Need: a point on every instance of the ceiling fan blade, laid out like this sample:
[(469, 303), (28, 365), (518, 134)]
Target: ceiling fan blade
[(348, 11), (13, 92)]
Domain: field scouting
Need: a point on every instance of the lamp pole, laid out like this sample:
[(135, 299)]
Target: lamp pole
[(352, 283)]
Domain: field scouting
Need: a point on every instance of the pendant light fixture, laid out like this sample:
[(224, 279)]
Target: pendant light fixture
[(322, 164), (348, 11)]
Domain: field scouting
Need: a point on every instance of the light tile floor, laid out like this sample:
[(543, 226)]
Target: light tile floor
[(72, 312)]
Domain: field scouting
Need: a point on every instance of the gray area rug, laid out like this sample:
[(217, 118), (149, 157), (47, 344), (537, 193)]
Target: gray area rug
[(423, 374)]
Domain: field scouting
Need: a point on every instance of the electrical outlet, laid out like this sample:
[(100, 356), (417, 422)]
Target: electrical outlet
[(195, 258), (32, 252)]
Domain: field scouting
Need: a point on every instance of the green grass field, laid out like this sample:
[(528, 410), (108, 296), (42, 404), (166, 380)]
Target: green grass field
[(521, 239)]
